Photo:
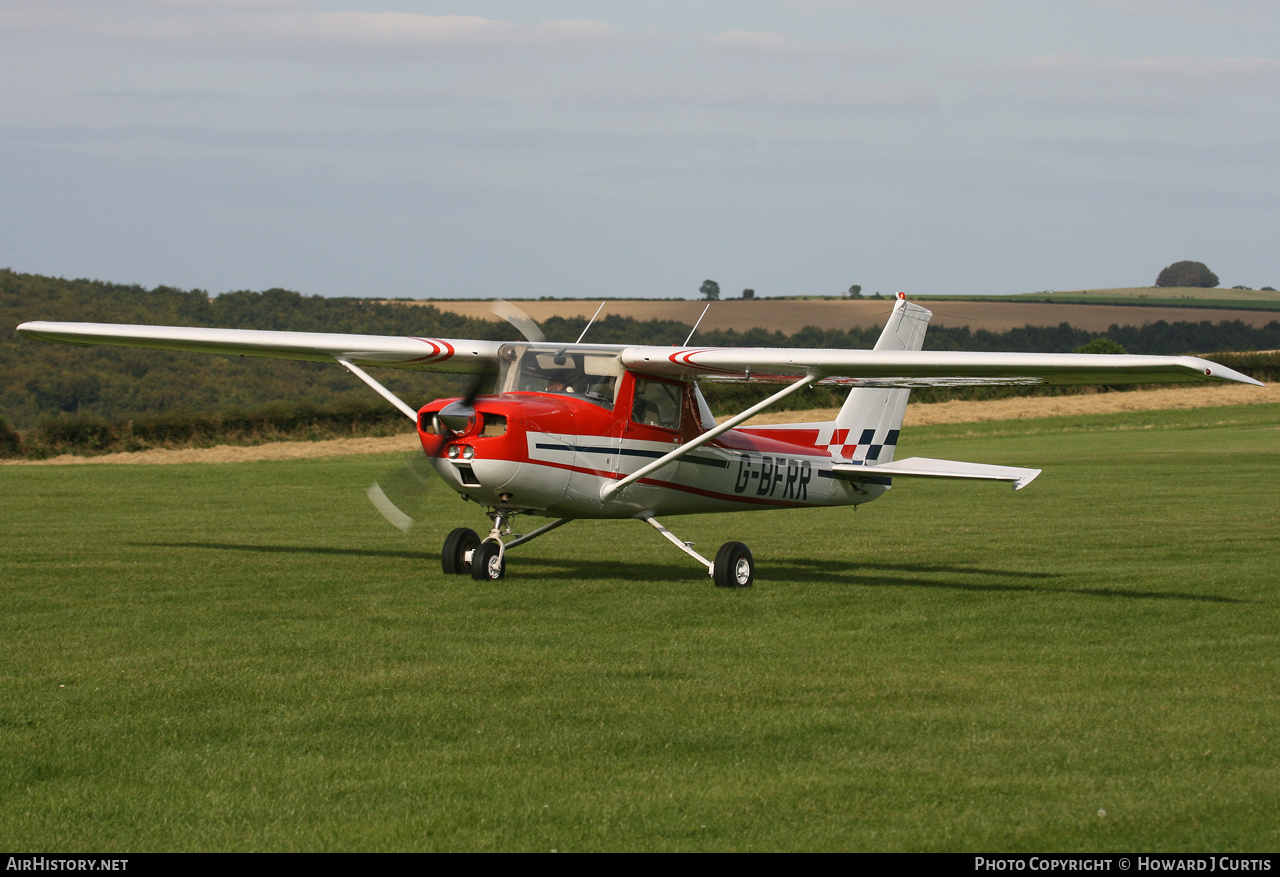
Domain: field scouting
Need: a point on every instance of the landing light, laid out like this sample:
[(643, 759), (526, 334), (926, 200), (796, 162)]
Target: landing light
[(452, 452), (468, 452)]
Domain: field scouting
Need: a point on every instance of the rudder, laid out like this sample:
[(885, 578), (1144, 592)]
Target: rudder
[(868, 424)]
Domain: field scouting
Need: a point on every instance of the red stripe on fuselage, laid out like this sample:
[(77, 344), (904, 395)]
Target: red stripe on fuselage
[(803, 438)]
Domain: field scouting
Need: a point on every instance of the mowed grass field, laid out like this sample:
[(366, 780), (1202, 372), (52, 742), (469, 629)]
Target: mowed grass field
[(246, 657)]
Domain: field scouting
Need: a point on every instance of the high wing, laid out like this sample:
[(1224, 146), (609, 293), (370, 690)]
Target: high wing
[(921, 368), (873, 368), (423, 354)]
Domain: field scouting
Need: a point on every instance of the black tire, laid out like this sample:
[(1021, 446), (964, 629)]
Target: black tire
[(734, 566), (453, 559), (485, 566)]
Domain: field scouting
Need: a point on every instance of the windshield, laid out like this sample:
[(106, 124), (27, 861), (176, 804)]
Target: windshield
[(588, 374)]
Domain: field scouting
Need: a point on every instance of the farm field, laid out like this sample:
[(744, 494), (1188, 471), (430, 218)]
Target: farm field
[(1188, 293), (1262, 299), (246, 657), (790, 316)]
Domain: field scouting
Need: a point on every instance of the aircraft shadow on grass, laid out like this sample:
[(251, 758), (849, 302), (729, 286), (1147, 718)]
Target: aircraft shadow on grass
[(830, 572), (838, 572), (295, 549)]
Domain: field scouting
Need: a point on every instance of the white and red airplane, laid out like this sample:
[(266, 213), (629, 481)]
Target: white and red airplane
[(610, 431)]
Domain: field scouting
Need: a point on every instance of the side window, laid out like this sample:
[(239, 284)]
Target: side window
[(656, 404)]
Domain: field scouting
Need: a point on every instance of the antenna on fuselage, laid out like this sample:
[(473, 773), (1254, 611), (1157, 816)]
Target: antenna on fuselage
[(697, 324), (589, 322)]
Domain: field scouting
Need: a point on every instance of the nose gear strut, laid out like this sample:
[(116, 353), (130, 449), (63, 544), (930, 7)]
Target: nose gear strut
[(486, 559)]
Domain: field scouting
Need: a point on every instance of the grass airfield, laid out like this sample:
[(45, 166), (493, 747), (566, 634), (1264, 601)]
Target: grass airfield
[(246, 657)]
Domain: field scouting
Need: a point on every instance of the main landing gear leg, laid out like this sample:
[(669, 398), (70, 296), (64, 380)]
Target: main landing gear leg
[(465, 553), (734, 567)]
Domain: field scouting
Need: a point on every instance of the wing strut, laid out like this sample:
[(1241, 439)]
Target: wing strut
[(379, 389), (613, 487)]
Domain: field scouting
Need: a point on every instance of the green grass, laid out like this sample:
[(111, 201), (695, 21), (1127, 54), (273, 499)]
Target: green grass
[(246, 657)]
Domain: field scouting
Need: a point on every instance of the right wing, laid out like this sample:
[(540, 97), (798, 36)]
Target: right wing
[(423, 354)]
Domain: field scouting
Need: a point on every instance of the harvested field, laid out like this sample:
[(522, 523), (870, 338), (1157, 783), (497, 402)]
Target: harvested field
[(1192, 293), (917, 415), (790, 317), (1165, 398)]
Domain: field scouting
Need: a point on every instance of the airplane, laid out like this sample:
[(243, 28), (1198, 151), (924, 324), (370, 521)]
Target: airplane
[(580, 430)]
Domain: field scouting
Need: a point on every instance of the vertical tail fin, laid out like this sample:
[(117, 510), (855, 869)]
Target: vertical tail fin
[(868, 424)]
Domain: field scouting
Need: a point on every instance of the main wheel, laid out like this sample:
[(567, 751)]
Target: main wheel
[(453, 559), (487, 563), (734, 566)]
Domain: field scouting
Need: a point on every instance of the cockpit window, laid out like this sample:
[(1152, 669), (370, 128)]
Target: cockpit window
[(656, 404), (590, 376)]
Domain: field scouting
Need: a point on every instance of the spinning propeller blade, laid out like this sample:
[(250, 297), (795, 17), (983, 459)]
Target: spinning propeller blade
[(399, 495), (518, 318)]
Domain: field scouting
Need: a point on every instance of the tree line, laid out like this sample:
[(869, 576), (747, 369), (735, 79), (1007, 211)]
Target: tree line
[(55, 397)]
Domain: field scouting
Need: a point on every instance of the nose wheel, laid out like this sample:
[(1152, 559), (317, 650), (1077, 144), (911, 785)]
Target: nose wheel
[(488, 563), (464, 554), (485, 560)]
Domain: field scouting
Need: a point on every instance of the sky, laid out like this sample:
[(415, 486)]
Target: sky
[(516, 149)]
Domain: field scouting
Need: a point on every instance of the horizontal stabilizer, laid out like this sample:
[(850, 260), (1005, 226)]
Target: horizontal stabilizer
[(924, 467)]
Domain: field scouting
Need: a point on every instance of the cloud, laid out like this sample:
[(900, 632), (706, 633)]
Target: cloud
[(165, 96), (1186, 72), (1211, 11), (776, 44), (279, 28), (784, 96)]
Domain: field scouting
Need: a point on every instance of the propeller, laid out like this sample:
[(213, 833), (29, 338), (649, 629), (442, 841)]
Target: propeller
[(401, 494), (518, 318), (458, 415)]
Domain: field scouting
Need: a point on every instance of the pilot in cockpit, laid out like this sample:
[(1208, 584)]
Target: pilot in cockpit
[(566, 381)]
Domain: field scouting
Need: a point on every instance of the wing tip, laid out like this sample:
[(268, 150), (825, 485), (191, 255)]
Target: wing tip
[(1031, 475)]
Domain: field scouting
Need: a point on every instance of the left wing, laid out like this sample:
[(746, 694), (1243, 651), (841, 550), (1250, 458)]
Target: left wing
[(922, 368)]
